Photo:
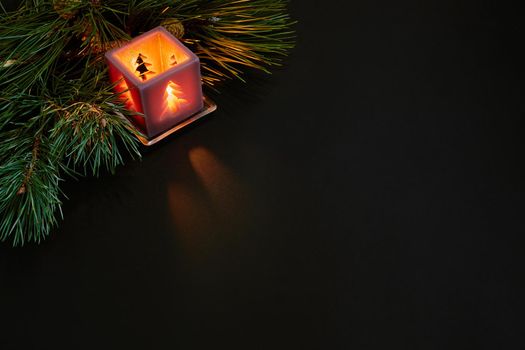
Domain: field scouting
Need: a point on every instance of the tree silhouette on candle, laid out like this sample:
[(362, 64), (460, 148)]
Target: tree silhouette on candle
[(173, 60), (174, 96), (142, 67)]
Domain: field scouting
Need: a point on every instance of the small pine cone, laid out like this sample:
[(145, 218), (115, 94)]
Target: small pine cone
[(66, 8), (21, 190), (7, 63), (174, 26)]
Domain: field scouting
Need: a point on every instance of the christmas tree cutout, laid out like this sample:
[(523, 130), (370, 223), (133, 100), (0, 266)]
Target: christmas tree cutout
[(174, 96), (142, 66), (173, 60)]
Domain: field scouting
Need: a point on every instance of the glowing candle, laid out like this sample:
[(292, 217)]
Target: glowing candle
[(158, 77)]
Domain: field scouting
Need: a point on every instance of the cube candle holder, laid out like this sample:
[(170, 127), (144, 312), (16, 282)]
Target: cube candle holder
[(159, 78)]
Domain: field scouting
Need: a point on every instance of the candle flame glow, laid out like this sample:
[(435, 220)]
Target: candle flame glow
[(173, 98)]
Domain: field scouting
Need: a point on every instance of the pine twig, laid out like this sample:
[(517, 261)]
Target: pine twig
[(58, 114), (31, 167)]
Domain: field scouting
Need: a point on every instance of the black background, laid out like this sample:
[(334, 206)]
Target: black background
[(367, 195)]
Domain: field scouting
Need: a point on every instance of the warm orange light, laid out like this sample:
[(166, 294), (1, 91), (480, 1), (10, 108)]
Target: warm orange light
[(162, 78), (147, 58), (223, 186), (197, 207), (174, 96)]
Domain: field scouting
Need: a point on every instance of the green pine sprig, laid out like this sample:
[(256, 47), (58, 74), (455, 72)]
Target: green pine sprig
[(58, 114)]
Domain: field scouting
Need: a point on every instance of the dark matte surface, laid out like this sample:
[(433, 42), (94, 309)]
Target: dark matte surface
[(369, 196)]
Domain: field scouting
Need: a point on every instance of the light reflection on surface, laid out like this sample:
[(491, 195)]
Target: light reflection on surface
[(221, 184), (210, 200)]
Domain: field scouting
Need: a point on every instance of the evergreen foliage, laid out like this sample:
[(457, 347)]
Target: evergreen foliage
[(58, 114)]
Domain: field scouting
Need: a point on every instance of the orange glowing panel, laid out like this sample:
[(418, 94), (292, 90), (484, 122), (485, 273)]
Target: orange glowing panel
[(158, 77)]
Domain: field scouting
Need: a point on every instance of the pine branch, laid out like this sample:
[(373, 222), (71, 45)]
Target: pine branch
[(29, 46), (90, 135), (29, 191), (230, 36), (58, 114)]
